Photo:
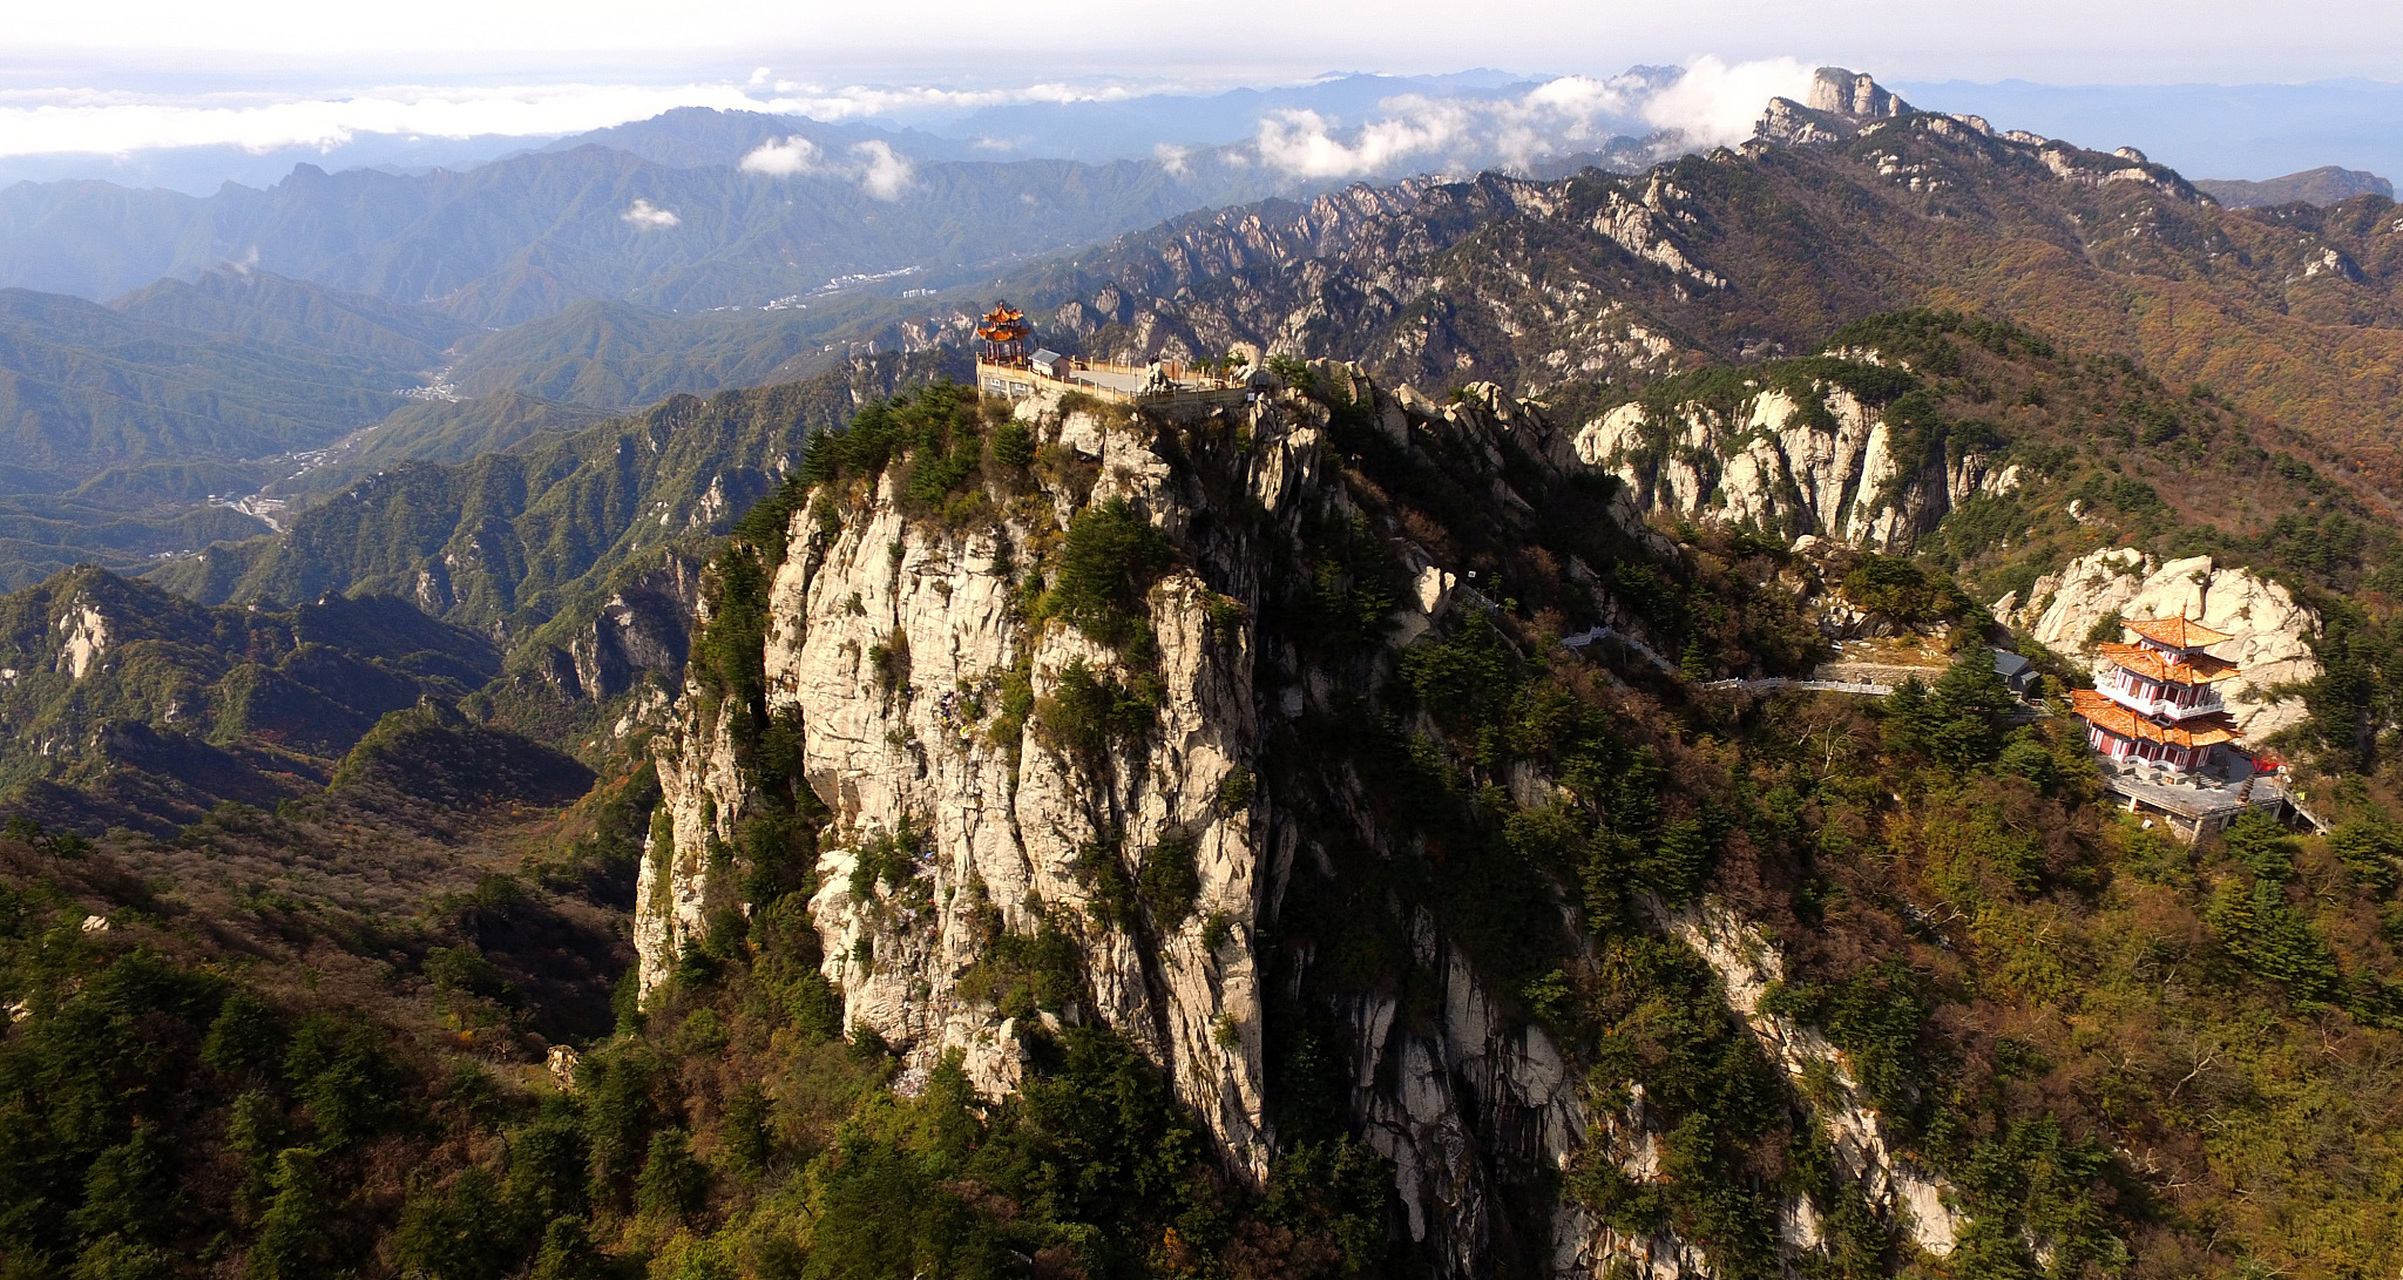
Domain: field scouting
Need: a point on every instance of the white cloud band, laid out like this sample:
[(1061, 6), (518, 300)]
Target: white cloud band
[(875, 166), (1711, 104)]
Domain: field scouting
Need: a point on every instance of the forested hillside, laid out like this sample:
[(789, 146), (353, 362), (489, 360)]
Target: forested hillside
[(508, 542), (127, 706)]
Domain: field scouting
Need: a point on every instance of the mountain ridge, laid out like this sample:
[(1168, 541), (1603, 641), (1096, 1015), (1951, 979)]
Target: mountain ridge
[(2295, 313), (2323, 186)]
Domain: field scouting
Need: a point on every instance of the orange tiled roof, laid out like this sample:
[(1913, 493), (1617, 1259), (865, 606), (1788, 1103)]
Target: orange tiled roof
[(2199, 668), (2201, 731), (2180, 632)]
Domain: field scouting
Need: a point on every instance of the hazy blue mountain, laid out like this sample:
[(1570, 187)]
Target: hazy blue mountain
[(2322, 186), (240, 302), (201, 171), (696, 137), (84, 387), (2242, 131), (528, 235)]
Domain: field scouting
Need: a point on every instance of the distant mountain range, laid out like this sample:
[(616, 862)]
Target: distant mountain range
[(530, 235), (509, 542), (1849, 205), (354, 321), (2252, 130), (2325, 185), (1103, 126)]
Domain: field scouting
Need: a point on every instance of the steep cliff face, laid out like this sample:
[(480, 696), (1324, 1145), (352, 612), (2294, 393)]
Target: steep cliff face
[(2070, 610), (1190, 804), (1811, 458), (892, 640)]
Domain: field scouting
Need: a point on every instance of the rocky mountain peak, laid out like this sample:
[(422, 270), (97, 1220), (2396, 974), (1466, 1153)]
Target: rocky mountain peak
[(1851, 93), (1840, 103)]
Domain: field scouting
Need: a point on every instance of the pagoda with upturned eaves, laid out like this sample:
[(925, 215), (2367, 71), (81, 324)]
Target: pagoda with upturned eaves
[(1004, 330), (2160, 704)]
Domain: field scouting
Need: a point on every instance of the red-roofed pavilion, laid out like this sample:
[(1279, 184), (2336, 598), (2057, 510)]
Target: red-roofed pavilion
[(2159, 703)]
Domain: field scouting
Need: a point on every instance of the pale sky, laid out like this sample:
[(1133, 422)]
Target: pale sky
[(2049, 40), (122, 77)]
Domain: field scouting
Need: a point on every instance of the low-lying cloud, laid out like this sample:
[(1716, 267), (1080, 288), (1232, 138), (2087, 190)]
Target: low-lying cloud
[(106, 122), (1716, 105), (1707, 104), (882, 173), (879, 170), (1710, 104), (650, 217), (783, 158)]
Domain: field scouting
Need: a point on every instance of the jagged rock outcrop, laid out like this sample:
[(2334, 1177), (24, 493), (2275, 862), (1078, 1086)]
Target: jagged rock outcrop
[(1813, 461), (1838, 104), (891, 642), (1854, 94), (2070, 610), (642, 627), (894, 644)]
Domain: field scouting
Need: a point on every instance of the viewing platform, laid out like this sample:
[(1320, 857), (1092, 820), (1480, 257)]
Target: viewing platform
[(1167, 385), (2196, 804)]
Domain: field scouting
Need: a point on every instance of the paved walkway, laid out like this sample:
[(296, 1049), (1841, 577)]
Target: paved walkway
[(1125, 384)]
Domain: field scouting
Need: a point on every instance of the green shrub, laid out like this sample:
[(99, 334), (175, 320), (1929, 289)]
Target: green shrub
[(1098, 869), (1106, 568), (889, 857), (2265, 848), (1235, 791), (1086, 714), (246, 1038), (889, 659), (1879, 1018), (1900, 590), (2372, 849), (463, 1230), (293, 1243), (1022, 975), (1958, 723), (343, 1071), (1169, 882), (673, 1184), (2265, 932), (1014, 444), (743, 1141)]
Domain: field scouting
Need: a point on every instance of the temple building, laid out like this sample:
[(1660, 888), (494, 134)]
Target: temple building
[(2159, 702), (1004, 331)]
